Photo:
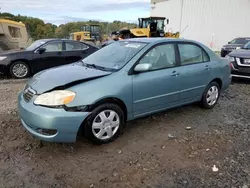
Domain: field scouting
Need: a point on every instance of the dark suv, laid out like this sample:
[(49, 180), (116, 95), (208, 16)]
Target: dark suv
[(235, 44), (240, 62)]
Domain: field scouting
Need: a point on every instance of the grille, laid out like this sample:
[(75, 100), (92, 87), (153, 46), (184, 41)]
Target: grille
[(28, 94)]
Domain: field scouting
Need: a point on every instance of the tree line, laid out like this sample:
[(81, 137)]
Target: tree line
[(37, 29)]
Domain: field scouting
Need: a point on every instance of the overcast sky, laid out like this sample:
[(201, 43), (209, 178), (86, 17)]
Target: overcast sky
[(62, 11)]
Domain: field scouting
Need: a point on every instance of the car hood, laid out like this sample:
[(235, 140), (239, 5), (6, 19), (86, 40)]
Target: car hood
[(63, 77), (233, 45), (240, 53), (12, 52)]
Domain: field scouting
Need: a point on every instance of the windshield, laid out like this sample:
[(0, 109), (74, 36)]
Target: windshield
[(115, 55), (247, 46), (95, 29), (240, 41), (160, 24), (35, 45)]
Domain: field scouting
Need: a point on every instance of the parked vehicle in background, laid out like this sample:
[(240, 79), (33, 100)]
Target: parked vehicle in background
[(123, 81), (240, 62), (13, 35), (88, 33), (235, 44), (43, 54), (247, 46)]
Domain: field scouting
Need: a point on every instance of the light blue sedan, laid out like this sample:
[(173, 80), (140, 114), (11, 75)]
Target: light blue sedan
[(125, 80)]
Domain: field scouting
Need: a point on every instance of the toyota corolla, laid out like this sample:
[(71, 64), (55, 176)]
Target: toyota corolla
[(125, 80)]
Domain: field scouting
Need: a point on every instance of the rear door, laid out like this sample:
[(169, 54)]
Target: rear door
[(75, 51), (195, 71), (51, 57)]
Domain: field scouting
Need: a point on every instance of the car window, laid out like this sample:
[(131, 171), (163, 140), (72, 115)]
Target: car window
[(53, 47), (247, 46), (75, 46), (240, 41), (160, 57), (115, 55), (191, 54)]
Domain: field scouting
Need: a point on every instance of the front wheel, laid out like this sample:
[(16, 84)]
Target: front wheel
[(211, 95), (104, 124), (19, 70)]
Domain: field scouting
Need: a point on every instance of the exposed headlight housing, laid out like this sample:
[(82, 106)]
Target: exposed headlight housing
[(2, 58), (247, 61), (55, 98)]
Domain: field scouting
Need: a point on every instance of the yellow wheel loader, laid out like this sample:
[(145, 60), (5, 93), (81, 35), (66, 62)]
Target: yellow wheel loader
[(149, 27), (89, 33)]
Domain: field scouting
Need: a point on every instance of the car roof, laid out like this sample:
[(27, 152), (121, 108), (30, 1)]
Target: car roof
[(56, 39), (157, 40)]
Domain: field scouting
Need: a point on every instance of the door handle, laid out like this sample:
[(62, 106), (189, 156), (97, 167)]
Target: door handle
[(207, 67), (174, 73)]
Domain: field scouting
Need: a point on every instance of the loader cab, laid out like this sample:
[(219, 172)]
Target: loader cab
[(94, 30), (156, 25)]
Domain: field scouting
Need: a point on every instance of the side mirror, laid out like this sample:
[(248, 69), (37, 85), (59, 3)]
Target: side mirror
[(142, 67), (41, 50), (228, 42)]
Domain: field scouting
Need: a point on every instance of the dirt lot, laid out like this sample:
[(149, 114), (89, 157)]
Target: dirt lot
[(155, 152)]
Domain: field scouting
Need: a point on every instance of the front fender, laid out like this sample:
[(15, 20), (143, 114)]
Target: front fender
[(117, 85)]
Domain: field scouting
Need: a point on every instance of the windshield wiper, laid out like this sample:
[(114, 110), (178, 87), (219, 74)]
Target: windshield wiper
[(98, 67)]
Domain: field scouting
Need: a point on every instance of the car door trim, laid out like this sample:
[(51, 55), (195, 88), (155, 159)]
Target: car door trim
[(198, 87), (155, 97), (168, 94)]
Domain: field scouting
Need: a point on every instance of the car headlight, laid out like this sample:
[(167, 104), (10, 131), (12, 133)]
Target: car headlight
[(230, 59), (2, 58), (247, 61), (55, 98), (237, 48)]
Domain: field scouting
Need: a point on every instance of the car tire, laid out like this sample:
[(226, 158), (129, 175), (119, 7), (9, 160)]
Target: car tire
[(19, 70), (211, 95), (100, 127)]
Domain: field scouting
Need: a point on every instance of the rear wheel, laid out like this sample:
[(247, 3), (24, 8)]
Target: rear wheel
[(104, 124), (211, 95), (19, 70)]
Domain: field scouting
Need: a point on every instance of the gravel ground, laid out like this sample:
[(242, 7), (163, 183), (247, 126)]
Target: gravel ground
[(157, 151)]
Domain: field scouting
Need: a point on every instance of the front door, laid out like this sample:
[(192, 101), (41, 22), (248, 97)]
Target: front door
[(158, 88), (195, 71), (51, 57)]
